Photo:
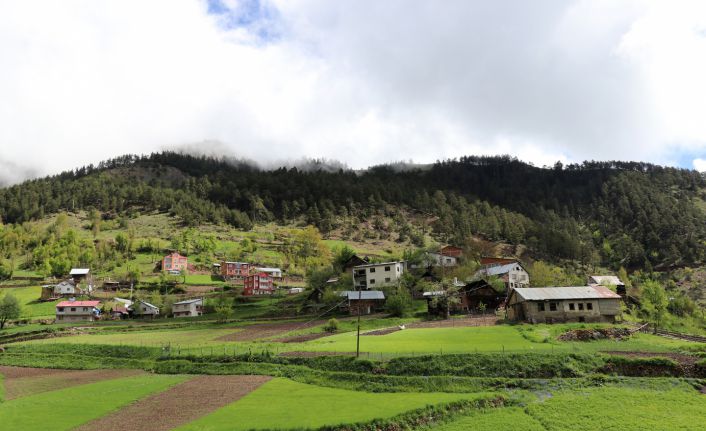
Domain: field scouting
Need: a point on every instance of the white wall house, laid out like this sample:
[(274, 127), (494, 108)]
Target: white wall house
[(188, 308), (272, 272), (145, 309), (73, 311), (377, 275), (438, 259), (513, 274)]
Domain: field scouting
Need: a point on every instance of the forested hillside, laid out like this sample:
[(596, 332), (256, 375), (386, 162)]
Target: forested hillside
[(610, 213)]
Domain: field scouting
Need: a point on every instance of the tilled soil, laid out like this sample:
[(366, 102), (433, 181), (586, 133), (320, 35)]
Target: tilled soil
[(489, 320), (21, 382), (303, 338), (267, 330), (178, 405)]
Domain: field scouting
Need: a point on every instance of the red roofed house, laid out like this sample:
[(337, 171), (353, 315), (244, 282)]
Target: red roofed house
[(74, 311), (174, 262), (452, 251), (237, 270), (258, 284)]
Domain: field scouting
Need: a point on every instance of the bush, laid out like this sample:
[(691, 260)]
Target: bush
[(399, 304), (331, 325)]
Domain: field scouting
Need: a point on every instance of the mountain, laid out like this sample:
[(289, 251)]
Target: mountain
[(612, 213)]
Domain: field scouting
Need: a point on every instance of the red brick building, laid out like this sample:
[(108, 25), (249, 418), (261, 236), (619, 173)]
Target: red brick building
[(258, 284), (235, 270), (174, 262)]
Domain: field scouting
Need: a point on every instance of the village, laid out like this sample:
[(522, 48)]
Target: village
[(501, 286)]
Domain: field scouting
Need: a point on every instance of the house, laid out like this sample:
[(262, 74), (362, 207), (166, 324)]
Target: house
[(76, 311), (440, 259), (258, 284), (375, 275), (174, 263), (188, 308), (145, 309), (608, 280), (235, 270), (363, 301), (512, 274), (78, 274), (563, 304), (272, 272), (451, 251), (470, 296), (353, 261), (120, 312)]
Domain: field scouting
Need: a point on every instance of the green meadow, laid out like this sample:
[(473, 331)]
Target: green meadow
[(65, 409), (284, 404)]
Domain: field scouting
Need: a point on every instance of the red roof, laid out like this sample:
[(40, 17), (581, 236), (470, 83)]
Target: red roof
[(78, 304)]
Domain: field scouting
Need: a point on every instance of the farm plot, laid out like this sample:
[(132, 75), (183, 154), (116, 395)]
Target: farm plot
[(174, 337), (502, 419), (71, 407), (178, 405), (284, 404), (20, 382), (611, 408)]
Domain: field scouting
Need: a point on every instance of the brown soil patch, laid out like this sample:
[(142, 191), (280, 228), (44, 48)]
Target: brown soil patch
[(267, 330), (685, 360), (178, 405), (382, 331), (21, 382), (489, 320), (618, 334), (303, 338)]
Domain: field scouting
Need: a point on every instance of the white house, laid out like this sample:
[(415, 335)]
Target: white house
[(72, 311), (376, 275), (66, 288), (438, 259), (272, 272), (188, 308), (513, 274)]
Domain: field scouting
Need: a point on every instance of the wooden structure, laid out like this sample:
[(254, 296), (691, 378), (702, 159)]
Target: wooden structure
[(365, 301)]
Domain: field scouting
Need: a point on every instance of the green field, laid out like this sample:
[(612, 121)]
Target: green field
[(31, 308), (282, 403), (65, 409), (502, 419)]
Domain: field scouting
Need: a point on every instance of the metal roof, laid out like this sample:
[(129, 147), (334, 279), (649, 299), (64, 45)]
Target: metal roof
[(189, 301), (606, 280), (571, 292), (363, 294), (400, 262), (78, 304), (79, 271), (149, 305), (265, 269), (434, 293), (499, 269)]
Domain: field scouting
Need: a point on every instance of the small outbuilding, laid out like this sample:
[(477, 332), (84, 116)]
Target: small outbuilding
[(563, 304), (608, 280), (367, 301), (145, 309)]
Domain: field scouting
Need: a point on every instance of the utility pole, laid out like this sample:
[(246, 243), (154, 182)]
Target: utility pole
[(357, 341)]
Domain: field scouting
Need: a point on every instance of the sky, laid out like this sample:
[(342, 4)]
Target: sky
[(363, 82)]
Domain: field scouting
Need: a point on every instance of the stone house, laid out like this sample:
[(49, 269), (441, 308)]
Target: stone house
[(563, 304)]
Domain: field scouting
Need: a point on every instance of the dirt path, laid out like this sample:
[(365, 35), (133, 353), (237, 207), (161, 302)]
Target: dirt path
[(21, 382), (178, 405)]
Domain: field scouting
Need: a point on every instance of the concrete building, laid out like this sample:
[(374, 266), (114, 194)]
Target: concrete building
[(235, 270), (563, 304), (76, 311), (367, 301), (512, 274), (145, 309), (376, 275), (188, 308), (174, 263), (258, 284), (272, 272)]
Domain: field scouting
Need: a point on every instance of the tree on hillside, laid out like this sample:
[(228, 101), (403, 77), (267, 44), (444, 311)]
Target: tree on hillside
[(654, 303), (10, 309)]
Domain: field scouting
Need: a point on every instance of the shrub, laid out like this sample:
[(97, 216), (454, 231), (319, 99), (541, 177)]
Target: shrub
[(331, 325)]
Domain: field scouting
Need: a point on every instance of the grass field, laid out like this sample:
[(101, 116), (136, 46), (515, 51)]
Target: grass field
[(67, 408), (594, 409), (31, 309), (503, 419), (282, 403)]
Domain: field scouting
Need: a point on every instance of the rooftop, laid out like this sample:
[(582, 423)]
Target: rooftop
[(189, 301), (363, 294), (78, 304), (499, 269), (606, 280), (571, 292), (79, 271), (378, 264)]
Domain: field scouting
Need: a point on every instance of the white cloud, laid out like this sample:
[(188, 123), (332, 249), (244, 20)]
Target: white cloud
[(700, 165), (361, 82)]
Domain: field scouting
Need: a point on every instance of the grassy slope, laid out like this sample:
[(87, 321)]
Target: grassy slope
[(67, 408), (282, 403), (503, 419), (28, 297)]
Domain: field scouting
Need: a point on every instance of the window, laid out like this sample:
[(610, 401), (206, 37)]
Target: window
[(372, 281), (589, 306), (540, 306), (372, 269), (580, 306), (387, 279), (73, 308), (60, 309), (387, 268), (572, 306), (552, 306)]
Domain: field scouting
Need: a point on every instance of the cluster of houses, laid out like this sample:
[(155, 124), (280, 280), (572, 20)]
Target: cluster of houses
[(89, 311), (500, 283), (256, 280)]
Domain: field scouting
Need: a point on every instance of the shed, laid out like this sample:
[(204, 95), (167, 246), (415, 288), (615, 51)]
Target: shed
[(365, 301)]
